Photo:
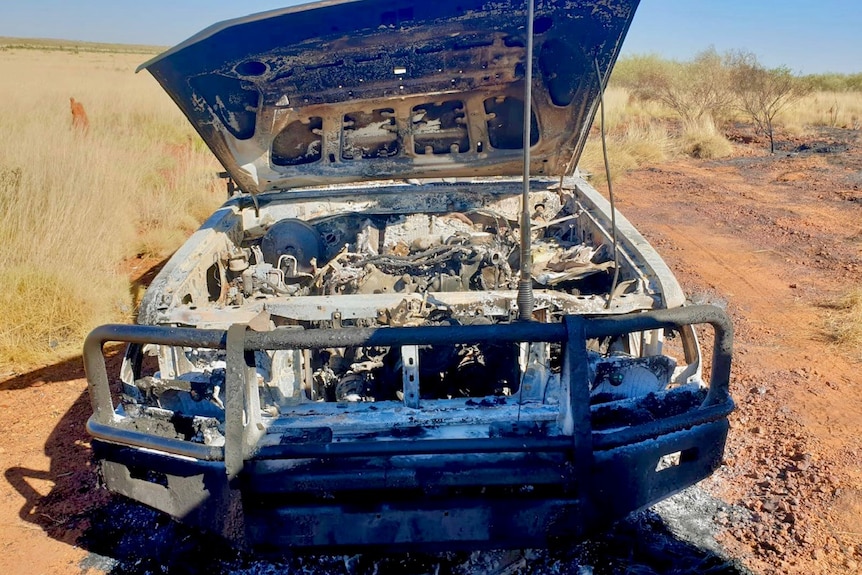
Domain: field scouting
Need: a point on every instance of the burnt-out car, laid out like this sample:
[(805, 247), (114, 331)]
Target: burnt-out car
[(358, 348)]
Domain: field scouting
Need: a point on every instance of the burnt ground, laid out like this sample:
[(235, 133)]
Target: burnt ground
[(773, 238)]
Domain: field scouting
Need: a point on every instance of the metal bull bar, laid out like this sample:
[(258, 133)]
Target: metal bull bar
[(241, 436)]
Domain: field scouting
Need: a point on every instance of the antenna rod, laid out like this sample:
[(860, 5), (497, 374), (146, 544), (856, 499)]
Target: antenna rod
[(526, 301)]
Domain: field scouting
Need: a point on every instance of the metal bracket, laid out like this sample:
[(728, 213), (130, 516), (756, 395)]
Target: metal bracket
[(576, 371), (410, 374), (243, 427)]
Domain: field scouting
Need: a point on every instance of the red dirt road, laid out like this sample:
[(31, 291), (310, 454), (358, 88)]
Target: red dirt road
[(775, 237), (770, 237)]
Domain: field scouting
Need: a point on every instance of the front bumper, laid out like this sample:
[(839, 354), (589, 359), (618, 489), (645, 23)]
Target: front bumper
[(508, 490)]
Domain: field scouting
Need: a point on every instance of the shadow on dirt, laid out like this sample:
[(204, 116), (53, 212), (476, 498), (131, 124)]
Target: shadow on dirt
[(62, 513), (123, 537), (63, 371)]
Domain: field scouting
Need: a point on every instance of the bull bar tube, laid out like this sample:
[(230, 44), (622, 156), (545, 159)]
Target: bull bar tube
[(591, 451)]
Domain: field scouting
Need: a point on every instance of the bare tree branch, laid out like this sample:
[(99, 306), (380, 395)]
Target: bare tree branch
[(762, 93)]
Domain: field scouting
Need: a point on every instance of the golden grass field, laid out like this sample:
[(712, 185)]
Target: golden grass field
[(75, 206)]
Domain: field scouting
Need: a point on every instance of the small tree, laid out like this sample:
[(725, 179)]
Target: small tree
[(694, 90), (762, 93)]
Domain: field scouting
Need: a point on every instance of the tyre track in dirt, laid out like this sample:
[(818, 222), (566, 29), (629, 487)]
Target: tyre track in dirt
[(774, 249)]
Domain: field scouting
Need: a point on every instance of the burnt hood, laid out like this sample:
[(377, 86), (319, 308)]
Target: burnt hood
[(345, 91)]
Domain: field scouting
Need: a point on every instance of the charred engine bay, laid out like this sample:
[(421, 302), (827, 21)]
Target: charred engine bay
[(414, 253), (421, 254), (373, 266)]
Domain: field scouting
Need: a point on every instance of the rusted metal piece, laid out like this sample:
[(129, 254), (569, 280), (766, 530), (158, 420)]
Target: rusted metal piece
[(410, 375)]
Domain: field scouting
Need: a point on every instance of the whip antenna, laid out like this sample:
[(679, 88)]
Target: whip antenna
[(526, 300)]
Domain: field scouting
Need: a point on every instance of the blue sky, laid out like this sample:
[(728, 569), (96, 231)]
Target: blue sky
[(809, 36)]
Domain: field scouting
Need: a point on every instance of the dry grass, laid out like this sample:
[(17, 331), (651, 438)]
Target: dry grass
[(643, 132), (74, 205), (702, 139), (635, 135), (629, 146), (844, 321), (832, 109), (623, 108), (76, 46)]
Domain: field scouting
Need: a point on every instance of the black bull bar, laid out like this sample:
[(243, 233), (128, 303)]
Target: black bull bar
[(609, 473)]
